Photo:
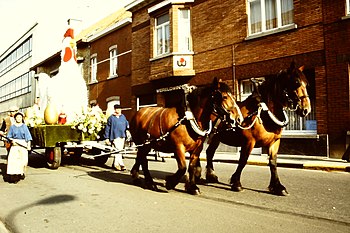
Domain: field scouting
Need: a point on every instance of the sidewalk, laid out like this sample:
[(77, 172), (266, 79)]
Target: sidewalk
[(288, 161)]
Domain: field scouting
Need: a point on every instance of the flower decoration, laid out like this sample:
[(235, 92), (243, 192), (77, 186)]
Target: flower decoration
[(33, 117), (90, 122)]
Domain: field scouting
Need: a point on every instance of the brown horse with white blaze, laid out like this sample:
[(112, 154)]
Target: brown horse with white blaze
[(172, 131), (264, 118)]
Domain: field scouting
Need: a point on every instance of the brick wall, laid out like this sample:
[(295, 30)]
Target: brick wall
[(120, 86), (141, 46), (337, 55), (320, 41)]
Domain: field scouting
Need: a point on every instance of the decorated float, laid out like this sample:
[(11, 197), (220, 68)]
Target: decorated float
[(60, 120)]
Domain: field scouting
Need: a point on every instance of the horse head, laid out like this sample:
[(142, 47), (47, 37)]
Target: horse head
[(295, 91), (224, 103)]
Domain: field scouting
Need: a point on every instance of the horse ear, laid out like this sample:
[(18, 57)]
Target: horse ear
[(301, 68)]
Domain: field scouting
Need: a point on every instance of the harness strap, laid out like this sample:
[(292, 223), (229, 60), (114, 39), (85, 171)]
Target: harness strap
[(263, 107), (162, 137), (258, 112), (274, 118)]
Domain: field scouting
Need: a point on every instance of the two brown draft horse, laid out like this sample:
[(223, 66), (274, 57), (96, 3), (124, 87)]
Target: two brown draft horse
[(170, 131), (264, 118)]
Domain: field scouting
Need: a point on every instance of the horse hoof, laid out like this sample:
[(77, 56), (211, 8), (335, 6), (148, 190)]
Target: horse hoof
[(194, 191), (152, 187), (236, 185), (169, 183), (134, 174), (236, 188), (284, 193), (278, 192), (211, 179)]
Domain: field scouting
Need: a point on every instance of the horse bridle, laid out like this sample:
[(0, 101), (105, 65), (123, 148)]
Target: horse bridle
[(219, 110), (291, 95)]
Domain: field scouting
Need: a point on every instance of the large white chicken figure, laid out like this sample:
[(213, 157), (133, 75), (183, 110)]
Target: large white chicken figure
[(67, 90)]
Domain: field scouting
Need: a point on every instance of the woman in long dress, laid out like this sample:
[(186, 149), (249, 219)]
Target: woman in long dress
[(17, 160)]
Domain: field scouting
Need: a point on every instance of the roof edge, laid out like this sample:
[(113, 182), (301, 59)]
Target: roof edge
[(114, 27)]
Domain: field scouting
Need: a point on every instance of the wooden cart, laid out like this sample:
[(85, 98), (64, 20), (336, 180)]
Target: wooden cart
[(60, 140)]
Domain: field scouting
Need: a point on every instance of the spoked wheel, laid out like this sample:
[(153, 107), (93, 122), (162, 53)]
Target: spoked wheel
[(53, 156)]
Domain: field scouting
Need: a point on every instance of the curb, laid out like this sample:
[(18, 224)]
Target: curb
[(320, 167), (313, 165)]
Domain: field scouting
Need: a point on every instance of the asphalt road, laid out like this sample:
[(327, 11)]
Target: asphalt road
[(90, 198)]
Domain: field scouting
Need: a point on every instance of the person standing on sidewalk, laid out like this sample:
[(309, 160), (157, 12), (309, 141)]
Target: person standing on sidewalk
[(20, 138), (115, 133)]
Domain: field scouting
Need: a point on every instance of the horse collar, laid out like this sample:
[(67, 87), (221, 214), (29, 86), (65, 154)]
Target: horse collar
[(272, 116)]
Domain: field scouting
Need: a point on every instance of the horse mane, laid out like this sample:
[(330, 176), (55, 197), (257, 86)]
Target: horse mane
[(194, 97), (205, 91), (272, 88)]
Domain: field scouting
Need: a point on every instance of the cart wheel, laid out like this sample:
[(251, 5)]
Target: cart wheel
[(53, 157), (75, 154)]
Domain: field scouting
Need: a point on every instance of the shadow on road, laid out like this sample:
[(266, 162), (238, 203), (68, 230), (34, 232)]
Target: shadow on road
[(125, 178), (3, 168), (53, 200)]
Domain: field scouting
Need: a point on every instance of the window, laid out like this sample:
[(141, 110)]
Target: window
[(113, 64), (93, 77), (19, 86), (21, 53), (247, 87), (347, 7), (162, 35), (265, 15), (110, 104), (149, 100), (184, 30)]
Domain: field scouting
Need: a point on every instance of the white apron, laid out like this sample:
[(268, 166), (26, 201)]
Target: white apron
[(17, 160)]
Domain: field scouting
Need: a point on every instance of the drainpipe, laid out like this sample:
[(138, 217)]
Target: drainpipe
[(235, 85)]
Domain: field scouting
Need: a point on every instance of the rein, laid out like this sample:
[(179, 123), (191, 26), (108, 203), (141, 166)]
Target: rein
[(164, 136)]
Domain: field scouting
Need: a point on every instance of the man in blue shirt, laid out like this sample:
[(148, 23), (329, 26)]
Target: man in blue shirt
[(115, 134)]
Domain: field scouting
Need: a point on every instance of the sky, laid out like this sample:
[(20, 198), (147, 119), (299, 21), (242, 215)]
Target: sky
[(17, 16)]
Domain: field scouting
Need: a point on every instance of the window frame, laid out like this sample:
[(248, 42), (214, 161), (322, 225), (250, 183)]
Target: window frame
[(93, 69), (347, 7), (264, 30), (16, 87), (17, 56), (184, 33), (113, 61), (164, 50)]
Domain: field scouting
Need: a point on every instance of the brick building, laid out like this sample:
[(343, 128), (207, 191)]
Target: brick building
[(175, 42), (110, 63)]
